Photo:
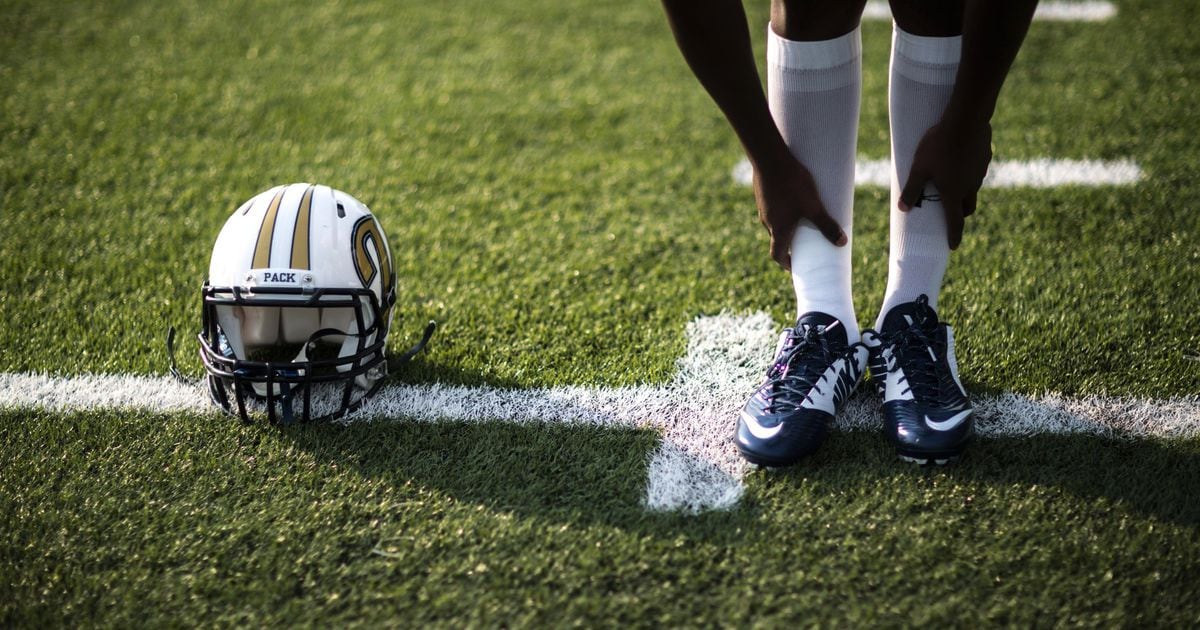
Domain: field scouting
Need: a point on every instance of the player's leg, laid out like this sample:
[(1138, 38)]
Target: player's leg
[(926, 45), (927, 415), (814, 75), (814, 78)]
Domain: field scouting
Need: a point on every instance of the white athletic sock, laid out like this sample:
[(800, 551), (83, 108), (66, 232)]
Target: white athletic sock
[(922, 77), (813, 90)]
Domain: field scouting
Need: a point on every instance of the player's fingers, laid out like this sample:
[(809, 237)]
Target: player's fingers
[(780, 252), (969, 204), (829, 228), (954, 220), (910, 195)]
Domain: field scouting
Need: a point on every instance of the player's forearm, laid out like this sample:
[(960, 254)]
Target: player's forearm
[(715, 41), (992, 34)]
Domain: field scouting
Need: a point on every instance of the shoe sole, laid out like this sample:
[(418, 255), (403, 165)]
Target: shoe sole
[(754, 459), (929, 460)]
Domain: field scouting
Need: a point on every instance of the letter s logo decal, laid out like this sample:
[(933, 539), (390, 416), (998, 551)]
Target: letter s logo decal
[(367, 236)]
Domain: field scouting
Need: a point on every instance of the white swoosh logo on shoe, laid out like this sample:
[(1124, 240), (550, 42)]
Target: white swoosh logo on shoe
[(758, 430), (948, 423)]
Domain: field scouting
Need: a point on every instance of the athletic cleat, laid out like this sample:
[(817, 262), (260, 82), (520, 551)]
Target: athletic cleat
[(926, 413), (814, 372)]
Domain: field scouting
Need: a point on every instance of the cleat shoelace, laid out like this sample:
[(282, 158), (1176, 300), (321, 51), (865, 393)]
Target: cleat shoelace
[(795, 375), (916, 349)]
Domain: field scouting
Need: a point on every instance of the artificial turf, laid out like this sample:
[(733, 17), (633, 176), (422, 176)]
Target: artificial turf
[(555, 187), (152, 520)]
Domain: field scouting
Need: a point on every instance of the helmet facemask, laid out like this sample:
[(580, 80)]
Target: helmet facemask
[(299, 354)]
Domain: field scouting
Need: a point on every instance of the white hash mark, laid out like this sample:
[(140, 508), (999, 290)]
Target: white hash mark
[(1087, 11), (695, 467), (1039, 173)]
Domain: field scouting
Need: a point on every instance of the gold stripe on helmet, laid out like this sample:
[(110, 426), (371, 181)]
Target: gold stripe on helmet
[(368, 230), (300, 232), (266, 233)]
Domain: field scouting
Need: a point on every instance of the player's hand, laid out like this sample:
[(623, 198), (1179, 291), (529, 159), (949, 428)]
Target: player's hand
[(955, 157), (785, 194)]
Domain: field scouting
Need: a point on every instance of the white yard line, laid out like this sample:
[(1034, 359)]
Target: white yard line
[(1046, 11), (695, 467), (1039, 173)]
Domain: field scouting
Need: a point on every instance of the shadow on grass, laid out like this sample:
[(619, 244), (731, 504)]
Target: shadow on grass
[(1153, 477), (577, 474), (591, 474)]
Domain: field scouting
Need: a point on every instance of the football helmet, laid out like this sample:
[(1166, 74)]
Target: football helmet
[(297, 306)]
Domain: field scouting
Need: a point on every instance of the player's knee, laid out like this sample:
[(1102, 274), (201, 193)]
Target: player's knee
[(815, 20), (929, 18)]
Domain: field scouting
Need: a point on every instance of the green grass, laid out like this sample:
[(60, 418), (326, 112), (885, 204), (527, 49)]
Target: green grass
[(215, 522), (556, 189)]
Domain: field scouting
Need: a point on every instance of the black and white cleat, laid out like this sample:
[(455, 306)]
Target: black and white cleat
[(927, 414)]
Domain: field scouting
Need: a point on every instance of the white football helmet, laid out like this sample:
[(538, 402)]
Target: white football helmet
[(299, 294)]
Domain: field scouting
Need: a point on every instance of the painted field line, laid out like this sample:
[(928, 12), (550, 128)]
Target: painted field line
[(1046, 11), (695, 467), (1040, 173)]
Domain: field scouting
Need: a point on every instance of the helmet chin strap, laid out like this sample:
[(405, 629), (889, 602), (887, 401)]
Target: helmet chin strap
[(325, 332), (412, 352), (171, 356), (409, 354)]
